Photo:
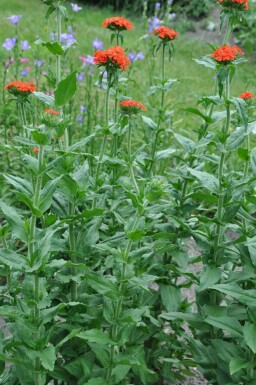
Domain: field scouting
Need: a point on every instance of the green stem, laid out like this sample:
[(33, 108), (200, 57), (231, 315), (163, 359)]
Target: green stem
[(135, 185), (58, 73), (228, 32), (23, 117), (220, 207), (104, 142), (31, 251), (154, 147), (72, 245), (119, 307)]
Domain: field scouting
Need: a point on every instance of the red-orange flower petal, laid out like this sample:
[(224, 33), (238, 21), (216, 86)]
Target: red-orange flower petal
[(51, 112), (238, 4), (131, 107), (247, 95), (35, 150), (165, 33), (226, 54), (117, 23), (114, 58), (18, 87)]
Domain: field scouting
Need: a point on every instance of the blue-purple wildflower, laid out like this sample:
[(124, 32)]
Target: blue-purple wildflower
[(75, 7), (24, 45), (14, 19), (9, 43), (97, 44)]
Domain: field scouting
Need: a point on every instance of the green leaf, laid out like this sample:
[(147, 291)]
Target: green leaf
[(15, 221), (249, 330), (253, 161), (40, 138), (97, 336), (171, 297), (236, 139), (206, 61), (48, 358), (120, 372), (66, 89), (209, 277), (136, 235), (238, 363), (163, 154), (20, 184), (54, 48), (47, 194), (188, 144), (148, 121), (241, 108), (12, 259), (207, 180), (47, 99), (229, 324), (97, 381), (247, 297), (195, 111)]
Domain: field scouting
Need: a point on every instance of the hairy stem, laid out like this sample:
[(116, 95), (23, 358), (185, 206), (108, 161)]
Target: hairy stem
[(130, 162)]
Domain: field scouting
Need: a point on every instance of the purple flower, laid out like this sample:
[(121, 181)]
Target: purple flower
[(25, 45), (25, 71), (24, 60), (140, 56), (39, 63), (153, 23), (80, 77), (68, 38), (14, 19), (87, 60), (172, 16), (9, 43), (97, 44), (83, 109), (80, 119), (157, 6), (132, 57), (75, 7)]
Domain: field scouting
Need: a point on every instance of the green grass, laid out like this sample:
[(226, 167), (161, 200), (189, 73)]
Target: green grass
[(193, 80)]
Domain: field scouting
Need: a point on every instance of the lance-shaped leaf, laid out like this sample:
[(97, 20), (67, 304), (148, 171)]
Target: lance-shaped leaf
[(15, 221), (66, 89), (207, 180)]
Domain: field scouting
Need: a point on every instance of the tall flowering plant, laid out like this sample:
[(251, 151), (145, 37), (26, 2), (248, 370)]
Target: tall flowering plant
[(165, 37)]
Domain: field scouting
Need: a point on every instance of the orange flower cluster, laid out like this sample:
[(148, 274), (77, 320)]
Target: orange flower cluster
[(117, 23), (113, 57), (246, 95), (51, 112), (226, 54), (239, 4), (165, 33), (18, 87), (131, 107)]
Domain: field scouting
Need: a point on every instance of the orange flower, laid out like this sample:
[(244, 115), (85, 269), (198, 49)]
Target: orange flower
[(238, 4), (226, 54), (35, 150), (131, 107), (51, 112), (165, 33), (114, 58), (18, 87), (246, 95), (117, 23)]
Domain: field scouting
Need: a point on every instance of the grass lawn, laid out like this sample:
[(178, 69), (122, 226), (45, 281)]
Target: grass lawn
[(194, 80)]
